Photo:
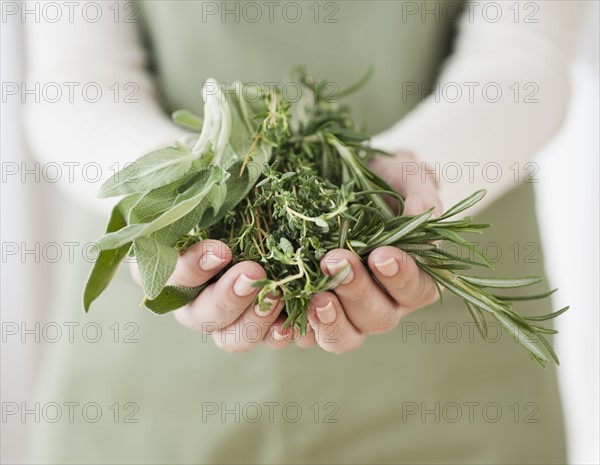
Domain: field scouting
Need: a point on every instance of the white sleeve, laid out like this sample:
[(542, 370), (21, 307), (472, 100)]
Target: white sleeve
[(482, 140), (79, 56)]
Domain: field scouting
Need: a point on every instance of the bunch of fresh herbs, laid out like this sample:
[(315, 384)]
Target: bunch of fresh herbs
[(282, 183)]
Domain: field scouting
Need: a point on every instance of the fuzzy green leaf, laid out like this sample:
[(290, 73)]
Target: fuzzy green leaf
[(187, 120), (173, 297), (156, 263), (151, 171), (181, 206), (108, 261)]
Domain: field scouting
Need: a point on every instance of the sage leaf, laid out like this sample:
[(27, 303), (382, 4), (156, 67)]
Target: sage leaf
[(173, 297), (182, 205), (156, 263), (159, 201), (108, 261), (208, 212), (151, 171), (187, 120), (237, 189)]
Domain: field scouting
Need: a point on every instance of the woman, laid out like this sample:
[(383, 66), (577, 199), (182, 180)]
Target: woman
[(421, 387)]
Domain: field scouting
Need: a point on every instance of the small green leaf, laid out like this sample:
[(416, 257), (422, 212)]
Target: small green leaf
[(321, 223), (503, 283), (173, 297), (517, 298), (286, 247), (357, 85), (338, 278), (156, 263), (396, 236), (464, 204), (237, 189), (123, 236), (187, 120), (205, 213), (108, 261), (357, 244), (522, 337), (181, 206), (151, 171), (549, 316), (478, 318), (549, 348)]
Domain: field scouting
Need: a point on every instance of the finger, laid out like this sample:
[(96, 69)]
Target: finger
[(413, 179), (420, 200), (420, 193), (367, 306), (249, 329), (308, 340), (333, 331), (402, 278), (222, 303), (277, 338), (200, 263)]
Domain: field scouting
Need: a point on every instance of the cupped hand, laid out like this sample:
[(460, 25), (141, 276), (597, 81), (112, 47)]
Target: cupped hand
[(225, 309), (361, 305)]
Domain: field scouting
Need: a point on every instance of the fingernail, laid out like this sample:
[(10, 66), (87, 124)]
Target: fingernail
[(243, 286), (333, 268), (270, 302), (388, 268), (210, 261), (281, 334), (326, 314), (278, 336)]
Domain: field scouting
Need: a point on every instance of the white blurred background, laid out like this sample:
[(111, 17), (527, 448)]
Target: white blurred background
[(567, 195), (568, 211)]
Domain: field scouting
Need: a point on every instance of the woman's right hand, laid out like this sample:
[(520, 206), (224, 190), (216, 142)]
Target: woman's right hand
[(225, 309)]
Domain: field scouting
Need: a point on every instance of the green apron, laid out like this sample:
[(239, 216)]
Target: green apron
[(430, 391)]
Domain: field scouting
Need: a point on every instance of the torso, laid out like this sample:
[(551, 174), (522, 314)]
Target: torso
[(364, 399)]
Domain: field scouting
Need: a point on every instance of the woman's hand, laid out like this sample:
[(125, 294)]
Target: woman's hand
[(360, 305), (224, 309)]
